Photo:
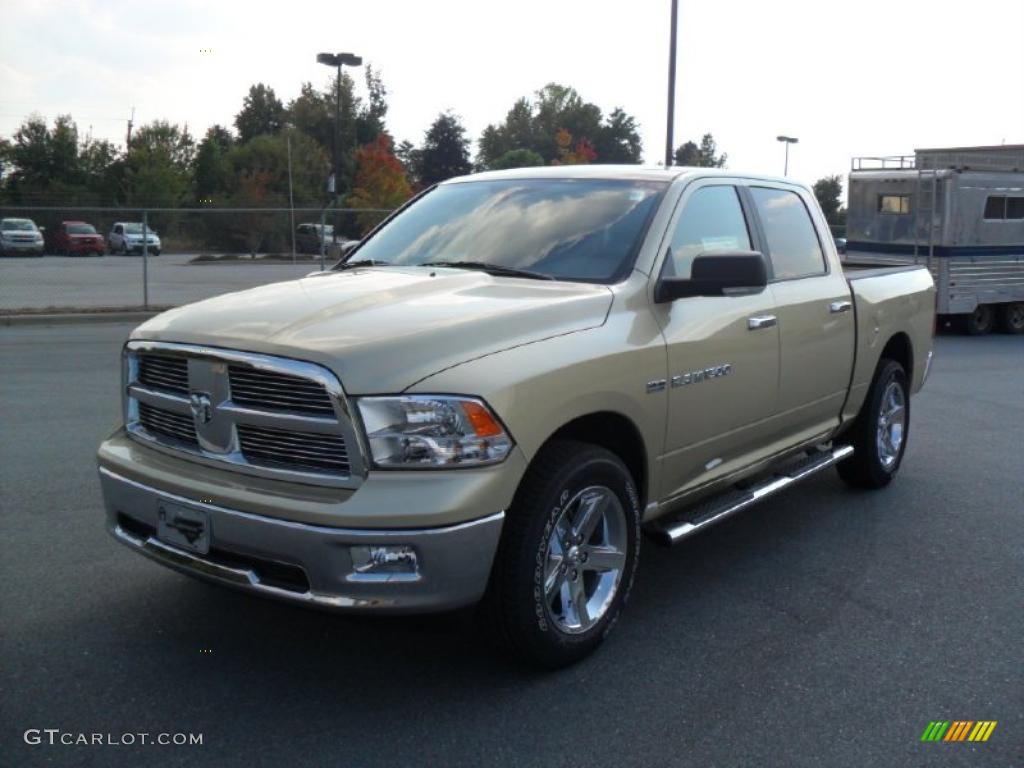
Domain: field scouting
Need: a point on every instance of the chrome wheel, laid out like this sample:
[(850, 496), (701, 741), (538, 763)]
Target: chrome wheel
[(584, 559), (892, 420)]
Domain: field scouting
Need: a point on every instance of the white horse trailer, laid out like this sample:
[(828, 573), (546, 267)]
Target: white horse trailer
[(960, 212)]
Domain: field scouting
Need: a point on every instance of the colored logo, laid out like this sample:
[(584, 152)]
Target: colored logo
[(958, 730)]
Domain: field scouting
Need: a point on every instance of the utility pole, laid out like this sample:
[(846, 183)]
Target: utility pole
[(669, 129), (337, 60), (291, 196)]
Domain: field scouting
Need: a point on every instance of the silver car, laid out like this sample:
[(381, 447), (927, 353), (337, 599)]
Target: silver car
[(20, 237), (126, 237)]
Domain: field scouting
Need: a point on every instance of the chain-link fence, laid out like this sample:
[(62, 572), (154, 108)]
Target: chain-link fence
[(98, 258)]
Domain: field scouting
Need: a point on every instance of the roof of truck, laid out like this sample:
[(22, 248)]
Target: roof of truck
[(632, 172)]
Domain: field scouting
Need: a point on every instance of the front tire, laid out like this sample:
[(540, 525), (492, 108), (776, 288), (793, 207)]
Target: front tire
[(567, 557), (879, 436)]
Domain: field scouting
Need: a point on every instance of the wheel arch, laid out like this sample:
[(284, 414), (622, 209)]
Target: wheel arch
[(616, 433), (901, 349)]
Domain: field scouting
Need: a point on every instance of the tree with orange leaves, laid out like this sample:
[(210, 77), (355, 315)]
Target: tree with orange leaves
[(381, 182)]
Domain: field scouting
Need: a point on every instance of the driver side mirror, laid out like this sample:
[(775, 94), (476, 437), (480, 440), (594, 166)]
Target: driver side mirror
[(715, 275)]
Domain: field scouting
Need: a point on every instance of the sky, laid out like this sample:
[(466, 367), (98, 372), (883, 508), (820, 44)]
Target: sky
[(872, 77)]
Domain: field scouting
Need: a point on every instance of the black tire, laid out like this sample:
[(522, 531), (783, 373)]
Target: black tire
[(980, 321), (867, 468), (514, 612), (1011, 317)]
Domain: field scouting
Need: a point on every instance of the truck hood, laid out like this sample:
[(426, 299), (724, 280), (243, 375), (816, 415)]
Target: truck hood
[(383, 329)]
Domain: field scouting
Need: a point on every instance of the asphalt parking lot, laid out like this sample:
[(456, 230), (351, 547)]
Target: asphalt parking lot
[(826, 627), (116, 281)]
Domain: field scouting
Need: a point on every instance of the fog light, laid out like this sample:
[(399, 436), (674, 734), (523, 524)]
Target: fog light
[(386, 563)]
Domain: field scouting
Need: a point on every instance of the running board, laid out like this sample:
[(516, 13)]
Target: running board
[(720, 508)]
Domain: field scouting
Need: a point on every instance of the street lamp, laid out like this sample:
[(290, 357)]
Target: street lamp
[(337, 60), (787, 140)]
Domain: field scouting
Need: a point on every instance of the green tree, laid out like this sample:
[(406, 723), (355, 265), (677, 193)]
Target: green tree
[(311, 113), (211, 171), (557, 108), (703, 156), (829, 191), (262, 112), (445, 151), (518, 158), (618, 140), (159, 167)]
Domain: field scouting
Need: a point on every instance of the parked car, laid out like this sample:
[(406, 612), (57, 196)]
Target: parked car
[(504, 386), (74, 238), (308, 238), (126, 237), (20, 237)]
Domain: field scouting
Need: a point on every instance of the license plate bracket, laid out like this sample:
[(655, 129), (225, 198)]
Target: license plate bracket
[(183, 526)]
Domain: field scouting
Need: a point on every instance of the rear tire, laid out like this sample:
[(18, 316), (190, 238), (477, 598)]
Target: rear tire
[(1011, 317), (980, 321), (567, 556), (879, 436)]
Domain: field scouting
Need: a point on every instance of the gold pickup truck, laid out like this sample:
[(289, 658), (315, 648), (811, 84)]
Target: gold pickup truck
[(503, 386)]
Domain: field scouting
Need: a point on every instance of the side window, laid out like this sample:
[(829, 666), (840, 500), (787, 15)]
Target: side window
[(118, 230), (712, 221), (792, 240)]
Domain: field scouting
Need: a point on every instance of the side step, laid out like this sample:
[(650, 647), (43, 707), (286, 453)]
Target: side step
[(720, 507)]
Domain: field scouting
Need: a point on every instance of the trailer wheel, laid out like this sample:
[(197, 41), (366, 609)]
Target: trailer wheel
[(980, 321), (1011, 317)]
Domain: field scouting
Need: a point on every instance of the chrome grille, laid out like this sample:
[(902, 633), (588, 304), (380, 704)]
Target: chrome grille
[(168, 423), (277, 391), (294, 449), (250, 413), (164, 372)]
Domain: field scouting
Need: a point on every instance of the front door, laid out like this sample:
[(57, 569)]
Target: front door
[(723, 352)]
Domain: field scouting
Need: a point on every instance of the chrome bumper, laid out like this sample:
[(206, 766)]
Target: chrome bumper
[(249, 551)]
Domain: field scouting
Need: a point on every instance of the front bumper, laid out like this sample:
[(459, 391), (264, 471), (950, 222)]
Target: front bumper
[(311, 564), (36, 249)]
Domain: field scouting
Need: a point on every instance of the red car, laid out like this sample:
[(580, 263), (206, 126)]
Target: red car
[(76, 238)]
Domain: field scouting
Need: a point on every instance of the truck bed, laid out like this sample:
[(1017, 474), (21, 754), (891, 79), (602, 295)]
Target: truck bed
[(859, 271)]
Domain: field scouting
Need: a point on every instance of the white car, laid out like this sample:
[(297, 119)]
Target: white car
[(20, 237), (126, 237)]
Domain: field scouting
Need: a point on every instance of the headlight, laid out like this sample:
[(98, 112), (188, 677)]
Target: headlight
[(432, 432)]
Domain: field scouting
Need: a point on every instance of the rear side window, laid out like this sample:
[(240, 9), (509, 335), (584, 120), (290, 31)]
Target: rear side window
[(792, 240), (712, 221)]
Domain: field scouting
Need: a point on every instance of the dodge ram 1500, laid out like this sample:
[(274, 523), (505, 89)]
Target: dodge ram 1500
[(504, 385)]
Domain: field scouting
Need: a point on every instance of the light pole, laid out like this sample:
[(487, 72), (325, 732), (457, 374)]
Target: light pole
[(787, 140), (337, 60), (669, 128)]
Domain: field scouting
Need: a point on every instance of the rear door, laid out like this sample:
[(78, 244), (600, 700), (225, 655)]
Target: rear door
[(815, 312), (723, 351)]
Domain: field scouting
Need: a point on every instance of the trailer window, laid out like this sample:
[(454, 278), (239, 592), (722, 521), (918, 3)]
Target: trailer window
[(894, 204), (999, 207)]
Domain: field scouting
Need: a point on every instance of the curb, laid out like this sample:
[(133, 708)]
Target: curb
[(66, 318)]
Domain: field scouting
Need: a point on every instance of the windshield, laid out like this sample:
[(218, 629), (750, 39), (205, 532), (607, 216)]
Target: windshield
[(136, 229), (569, 229), (81, 229), (18, 225)]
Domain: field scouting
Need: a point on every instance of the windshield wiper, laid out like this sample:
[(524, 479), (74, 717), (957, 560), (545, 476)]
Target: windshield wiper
[(362, 263), (484, 266)]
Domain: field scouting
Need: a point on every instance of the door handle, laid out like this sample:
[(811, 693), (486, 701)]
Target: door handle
[(761, 321), (839, 306)]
